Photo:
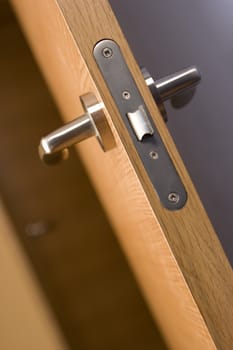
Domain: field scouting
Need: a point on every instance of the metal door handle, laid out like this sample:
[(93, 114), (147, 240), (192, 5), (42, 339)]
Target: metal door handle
[(54, 146), (165, 88)]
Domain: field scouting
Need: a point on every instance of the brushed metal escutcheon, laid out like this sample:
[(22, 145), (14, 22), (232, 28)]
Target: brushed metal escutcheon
[(140, 125)]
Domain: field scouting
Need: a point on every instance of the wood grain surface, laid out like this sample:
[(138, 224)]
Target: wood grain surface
[(176, 256), (59, 229)]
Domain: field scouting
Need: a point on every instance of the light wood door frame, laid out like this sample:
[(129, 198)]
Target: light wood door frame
[(176, 256)]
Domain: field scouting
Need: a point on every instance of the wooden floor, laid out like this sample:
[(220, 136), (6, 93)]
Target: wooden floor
[(78, 261)]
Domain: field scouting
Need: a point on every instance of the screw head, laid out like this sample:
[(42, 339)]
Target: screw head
[(126, 95), (173, 197), (107, 52), (154, 155)]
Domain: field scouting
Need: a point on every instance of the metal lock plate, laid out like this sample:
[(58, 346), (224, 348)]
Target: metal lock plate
[(140, 125)]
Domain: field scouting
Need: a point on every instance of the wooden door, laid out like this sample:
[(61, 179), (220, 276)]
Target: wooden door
[(175, 255)]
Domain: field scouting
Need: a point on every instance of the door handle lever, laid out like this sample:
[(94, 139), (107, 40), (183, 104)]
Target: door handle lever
[(54, 146), (171, 85)]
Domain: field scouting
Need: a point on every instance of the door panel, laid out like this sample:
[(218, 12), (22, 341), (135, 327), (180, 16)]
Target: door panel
[(63, 277), (175, 255)]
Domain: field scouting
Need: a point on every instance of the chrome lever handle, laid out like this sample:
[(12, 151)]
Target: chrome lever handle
[(54, 146), (178, 82), (171, 85)]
